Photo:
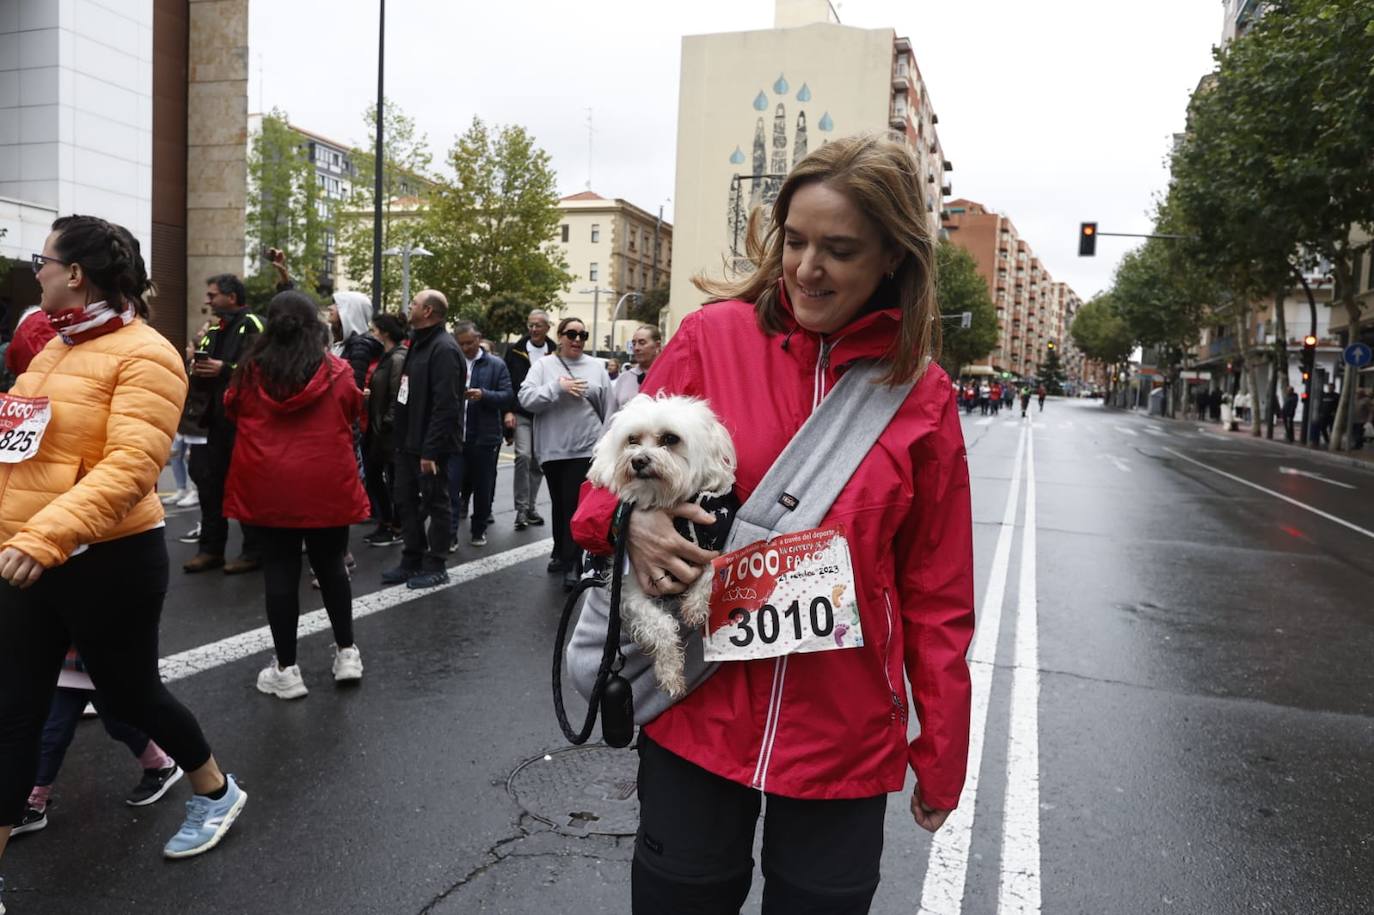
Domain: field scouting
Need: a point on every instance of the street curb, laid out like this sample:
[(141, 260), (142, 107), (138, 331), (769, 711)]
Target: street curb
[(1326, 457)]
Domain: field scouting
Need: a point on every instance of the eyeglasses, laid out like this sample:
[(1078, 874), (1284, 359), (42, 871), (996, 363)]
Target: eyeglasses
[(39, 260), (537, 326), (577, 335)]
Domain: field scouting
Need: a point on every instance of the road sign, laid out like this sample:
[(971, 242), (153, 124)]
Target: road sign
[(1358, 355)]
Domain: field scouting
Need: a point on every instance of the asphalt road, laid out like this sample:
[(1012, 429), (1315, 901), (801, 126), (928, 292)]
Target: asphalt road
[(1174, 711)]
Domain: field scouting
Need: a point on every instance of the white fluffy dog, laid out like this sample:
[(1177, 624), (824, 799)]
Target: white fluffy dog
[(659, 452)]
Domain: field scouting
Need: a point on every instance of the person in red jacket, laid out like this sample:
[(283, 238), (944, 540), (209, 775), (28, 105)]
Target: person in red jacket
[(293, 475), (845, 273), (30, 336)]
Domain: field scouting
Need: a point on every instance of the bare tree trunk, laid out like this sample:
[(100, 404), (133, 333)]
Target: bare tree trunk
[(1273, 405), (1345, 291), (1243, 338)]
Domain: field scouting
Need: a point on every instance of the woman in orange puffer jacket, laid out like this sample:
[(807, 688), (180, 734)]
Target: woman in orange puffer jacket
[(83, 558)]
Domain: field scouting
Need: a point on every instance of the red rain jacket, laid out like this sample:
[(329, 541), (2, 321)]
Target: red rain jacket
[(833, 724), (293, 462)]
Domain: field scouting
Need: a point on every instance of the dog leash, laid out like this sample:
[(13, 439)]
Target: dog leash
[(611, 693)]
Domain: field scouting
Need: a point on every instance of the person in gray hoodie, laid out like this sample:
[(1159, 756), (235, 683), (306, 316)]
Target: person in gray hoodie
[(350, 318), (567, 393)]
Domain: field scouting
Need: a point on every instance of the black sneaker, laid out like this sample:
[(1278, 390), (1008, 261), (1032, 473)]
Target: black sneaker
[(453, 543), (191, 536), (533, 517), (32, 821), (382, 536), (556, 566), (397, 575), (521, 522), (153, 785), (479, 540), (427, 580)]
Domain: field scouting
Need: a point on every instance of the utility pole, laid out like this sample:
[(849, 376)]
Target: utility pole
[(595, 293), (658, 227), (378, 164)]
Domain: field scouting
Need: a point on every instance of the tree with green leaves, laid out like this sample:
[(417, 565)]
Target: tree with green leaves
[(286, 207), (1286, 125), (959, 288), (491, 229), (1102, 335), (406, 185), (648, 307), (1051, 372)]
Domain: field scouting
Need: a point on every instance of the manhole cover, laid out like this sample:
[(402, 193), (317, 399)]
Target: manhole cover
[(580, 791)]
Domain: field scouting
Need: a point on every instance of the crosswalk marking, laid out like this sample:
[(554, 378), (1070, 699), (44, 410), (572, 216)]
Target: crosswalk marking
[(1126, 430), (1154, 431)]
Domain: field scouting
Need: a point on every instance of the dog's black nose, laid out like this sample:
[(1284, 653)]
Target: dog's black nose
[(639, 463)]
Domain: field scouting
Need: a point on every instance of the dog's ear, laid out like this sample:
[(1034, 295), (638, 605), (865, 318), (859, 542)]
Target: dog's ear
[(719, 459)]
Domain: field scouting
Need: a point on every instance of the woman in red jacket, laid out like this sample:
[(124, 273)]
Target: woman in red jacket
[(845, 273), (294, 476)]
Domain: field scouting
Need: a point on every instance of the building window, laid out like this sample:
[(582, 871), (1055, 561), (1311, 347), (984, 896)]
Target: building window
[(596, 233), (593, 272), (564, 228)]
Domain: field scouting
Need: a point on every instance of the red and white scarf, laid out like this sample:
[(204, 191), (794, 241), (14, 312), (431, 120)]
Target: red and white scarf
[(77, 325)]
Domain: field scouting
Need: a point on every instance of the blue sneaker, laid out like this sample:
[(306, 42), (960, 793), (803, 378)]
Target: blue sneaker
[(397, 575), (206, 822), (419, 580)]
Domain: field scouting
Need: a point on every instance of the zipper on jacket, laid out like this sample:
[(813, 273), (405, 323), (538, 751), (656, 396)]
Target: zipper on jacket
[(770, 724), (898, 708)]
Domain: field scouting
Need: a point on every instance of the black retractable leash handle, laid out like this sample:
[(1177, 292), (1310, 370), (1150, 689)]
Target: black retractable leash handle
[(611, 693)]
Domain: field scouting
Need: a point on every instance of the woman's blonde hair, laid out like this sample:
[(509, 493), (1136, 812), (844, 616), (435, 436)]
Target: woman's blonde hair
[(881, 177)]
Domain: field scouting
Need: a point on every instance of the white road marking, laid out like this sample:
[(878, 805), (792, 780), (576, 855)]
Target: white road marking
[(984, 422), (1121, 463), (1067, 424), (947, 868), (1153, 431), (1277, 495), (1125, 429), (1019, 892), (1295, 472), (236, 647)]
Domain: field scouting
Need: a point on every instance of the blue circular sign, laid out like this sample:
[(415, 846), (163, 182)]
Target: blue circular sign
[(1358, 355)]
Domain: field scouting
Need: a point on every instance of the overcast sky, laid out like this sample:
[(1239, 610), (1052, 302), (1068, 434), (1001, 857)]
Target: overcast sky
[(1052, 113)]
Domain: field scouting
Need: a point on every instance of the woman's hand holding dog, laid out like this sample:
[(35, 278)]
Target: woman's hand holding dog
[(664, 561)]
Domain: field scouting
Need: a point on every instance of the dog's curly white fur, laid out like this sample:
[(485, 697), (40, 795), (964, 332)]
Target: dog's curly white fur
[(659, 452)]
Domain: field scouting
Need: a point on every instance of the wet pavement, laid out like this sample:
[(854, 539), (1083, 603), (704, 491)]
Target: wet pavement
[(1177, 709)]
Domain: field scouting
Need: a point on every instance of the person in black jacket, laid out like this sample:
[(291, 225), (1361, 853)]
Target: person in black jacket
[(349, 318), (429, 431), (489, 396), (379, 443), (227, 340), (520, 355)]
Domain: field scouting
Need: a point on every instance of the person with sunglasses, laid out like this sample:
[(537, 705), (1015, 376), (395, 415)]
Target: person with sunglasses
[(567, 394)]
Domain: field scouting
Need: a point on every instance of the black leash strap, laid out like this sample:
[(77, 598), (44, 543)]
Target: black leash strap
[(611, 693)]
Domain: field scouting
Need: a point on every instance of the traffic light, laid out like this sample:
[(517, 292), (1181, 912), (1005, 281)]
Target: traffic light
[(1087, 239), (1309, 354), (1049, 345)]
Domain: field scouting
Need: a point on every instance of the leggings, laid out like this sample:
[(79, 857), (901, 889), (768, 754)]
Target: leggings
[(107, 602), (67, 705), (565, 480), (694, 850), (281, 572)]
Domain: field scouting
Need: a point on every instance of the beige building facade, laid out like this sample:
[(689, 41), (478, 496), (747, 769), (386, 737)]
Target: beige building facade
[(752, 104), (613, 249)]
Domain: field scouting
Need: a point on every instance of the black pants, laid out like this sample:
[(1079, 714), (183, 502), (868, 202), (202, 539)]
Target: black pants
[(421, 496), (379, 474), (474, 473), (694, 849), (565, 479), (107, 601), (209, 468), (281, 573)]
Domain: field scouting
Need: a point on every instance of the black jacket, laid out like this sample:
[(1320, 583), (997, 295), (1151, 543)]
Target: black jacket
[(228, 343), (429, 422), (381, 402), (360, 351), (518, 364)]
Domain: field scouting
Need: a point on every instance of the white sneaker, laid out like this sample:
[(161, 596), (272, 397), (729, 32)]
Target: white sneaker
[(348, 664), (191, 498), (284, 684), (175, 497)]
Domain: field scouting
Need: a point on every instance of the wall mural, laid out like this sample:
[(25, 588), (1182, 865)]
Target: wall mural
[(770, 165)]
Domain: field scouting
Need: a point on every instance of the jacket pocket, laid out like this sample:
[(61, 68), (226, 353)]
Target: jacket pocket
[(898, 710)]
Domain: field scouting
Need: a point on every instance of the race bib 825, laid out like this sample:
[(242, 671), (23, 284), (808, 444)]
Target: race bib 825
[(22, 423)]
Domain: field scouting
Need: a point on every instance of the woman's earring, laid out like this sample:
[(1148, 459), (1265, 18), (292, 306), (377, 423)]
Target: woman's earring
[(892, 274)]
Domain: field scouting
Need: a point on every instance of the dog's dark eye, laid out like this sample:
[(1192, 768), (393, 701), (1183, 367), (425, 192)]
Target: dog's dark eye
[(668, 438), (633, 440)]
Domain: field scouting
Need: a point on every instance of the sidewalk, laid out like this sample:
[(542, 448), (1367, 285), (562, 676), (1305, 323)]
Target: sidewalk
[(1361, 460)]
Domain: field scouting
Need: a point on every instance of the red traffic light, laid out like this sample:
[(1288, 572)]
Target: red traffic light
[(1310, 341)]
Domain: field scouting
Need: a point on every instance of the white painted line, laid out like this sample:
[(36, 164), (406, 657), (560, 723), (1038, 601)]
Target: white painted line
[(1295, 472), (984, 422), (1153, 431), (947, 868), (236, 647), (1019, 892), (1277, 495), (1121, 463), (1125, 429)]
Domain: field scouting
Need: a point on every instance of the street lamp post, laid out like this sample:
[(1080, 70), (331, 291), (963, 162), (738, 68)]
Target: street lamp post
[(615, 312), (406, 252), (595, 293), (378, 163)]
